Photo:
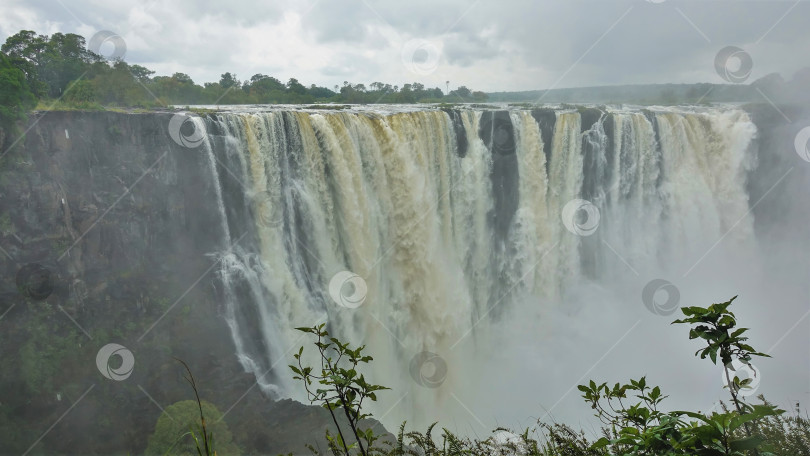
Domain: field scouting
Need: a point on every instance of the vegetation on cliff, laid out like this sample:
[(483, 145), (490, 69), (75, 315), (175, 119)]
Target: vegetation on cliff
[(16, 97)]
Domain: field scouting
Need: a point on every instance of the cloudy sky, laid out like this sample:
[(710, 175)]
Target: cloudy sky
[(486, 44)]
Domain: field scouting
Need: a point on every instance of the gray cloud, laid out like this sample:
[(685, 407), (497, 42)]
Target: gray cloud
[(486, 45)]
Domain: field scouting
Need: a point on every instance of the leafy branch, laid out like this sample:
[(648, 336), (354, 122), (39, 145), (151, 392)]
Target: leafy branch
[(343, 388)]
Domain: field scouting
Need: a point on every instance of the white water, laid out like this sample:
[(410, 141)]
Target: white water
[(499, 300)]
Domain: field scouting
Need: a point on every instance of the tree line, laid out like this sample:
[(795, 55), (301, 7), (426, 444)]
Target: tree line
[(60, 68)]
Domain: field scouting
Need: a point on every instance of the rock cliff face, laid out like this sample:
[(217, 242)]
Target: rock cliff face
[(105, 230), (108, 231)]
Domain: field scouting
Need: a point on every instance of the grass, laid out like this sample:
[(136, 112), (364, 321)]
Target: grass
[(59, 105)]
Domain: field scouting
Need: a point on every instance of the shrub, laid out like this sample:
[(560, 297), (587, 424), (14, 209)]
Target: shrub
[(173, 431), (80, 93), (634, 423)]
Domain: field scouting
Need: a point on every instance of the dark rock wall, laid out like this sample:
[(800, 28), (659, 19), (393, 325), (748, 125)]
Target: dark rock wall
[(123, 221)]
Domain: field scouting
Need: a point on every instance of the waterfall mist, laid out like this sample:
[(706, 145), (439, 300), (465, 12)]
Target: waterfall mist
[(496, 259)]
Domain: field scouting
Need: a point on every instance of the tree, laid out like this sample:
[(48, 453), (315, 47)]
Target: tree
[(296, 87), (25, 50), (263, 86), (118, 86), (50, 64), (66, 59), (479, 96), (173, 430), (182, 78), (143, 74), (80, 93), (16, 98), (462, 92), (320, 92), (406, 95), (228, 80), (179, 88)]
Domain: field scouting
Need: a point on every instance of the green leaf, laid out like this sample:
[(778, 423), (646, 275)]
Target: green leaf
[(748, 443)]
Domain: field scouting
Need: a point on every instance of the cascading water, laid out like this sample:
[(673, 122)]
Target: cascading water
[(460, 225)]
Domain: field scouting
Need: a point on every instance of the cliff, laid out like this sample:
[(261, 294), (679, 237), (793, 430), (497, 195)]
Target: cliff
[(105, 230), (109, 230)]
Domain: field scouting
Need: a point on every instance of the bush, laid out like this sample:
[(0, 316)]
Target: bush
[(634, 423), (79, 93), (787, 435), (173, 431)]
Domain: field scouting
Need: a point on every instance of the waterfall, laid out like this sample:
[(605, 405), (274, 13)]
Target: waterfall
[(449, 223)]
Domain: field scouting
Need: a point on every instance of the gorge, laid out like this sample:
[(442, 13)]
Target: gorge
[(470, 248)]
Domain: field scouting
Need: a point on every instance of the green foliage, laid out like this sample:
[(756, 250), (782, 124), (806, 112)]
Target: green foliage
[(80, 93), (641, 428), (177, 428), (561, 440), (786, 435), (49, 351), (26, 50), (16, 97), (228, 80), (50, 65), (632, 414), (716, 325), (114, 131), (342, 387), (377, 92), (6, 225), (118, 85), (296, 87), (635, 423)]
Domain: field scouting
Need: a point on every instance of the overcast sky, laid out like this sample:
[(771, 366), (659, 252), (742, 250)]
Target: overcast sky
[(486, 45)]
